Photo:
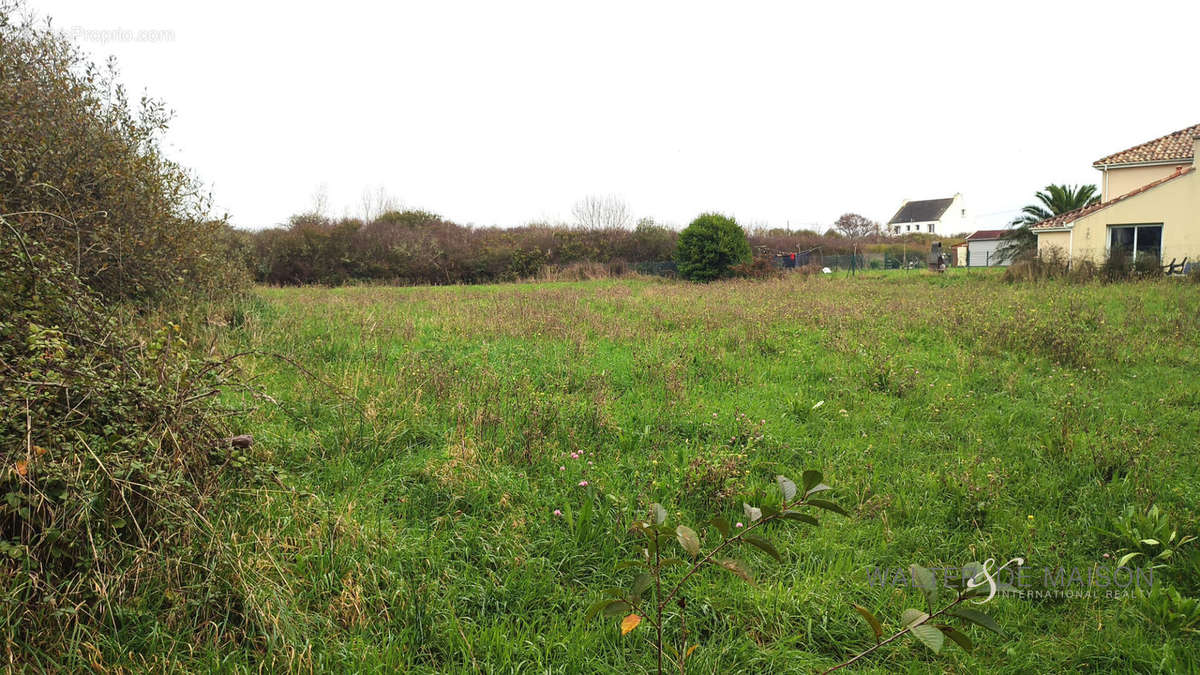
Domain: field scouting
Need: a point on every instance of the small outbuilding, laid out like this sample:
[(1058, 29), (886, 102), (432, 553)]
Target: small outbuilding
[(982, 247)]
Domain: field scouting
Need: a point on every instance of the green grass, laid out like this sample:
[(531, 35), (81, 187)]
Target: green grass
[(963, 419)]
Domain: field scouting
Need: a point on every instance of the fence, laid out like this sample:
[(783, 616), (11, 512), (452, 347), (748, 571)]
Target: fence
[(662, 268), (853, 261)]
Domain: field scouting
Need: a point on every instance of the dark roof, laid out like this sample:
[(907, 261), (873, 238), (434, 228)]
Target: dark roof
[(1072, 216), (1175, 146), (986, 235), (921, 211)]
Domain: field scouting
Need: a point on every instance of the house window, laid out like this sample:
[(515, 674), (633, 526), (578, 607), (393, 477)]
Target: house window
[(964, 213), (931, 227), (1136, 240)]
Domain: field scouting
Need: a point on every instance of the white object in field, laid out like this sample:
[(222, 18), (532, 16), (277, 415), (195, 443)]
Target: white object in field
[(826, 270)]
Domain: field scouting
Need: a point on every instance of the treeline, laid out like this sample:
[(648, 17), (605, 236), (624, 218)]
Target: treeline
[(418, 247)]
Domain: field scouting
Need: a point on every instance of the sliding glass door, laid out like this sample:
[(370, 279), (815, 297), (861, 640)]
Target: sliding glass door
[(1136, 240)]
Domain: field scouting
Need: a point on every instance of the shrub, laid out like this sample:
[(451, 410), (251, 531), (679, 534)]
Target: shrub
[(1147, 267), (1116, 266), (759, 268), (710, 247), (133, 224), (105, 457)]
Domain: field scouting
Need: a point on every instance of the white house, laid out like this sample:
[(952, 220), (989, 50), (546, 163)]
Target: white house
[(982, 246), (942, 217)]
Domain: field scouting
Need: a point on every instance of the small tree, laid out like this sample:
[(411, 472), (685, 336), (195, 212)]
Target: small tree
[(601, 213), (854, 226), (710, 246)]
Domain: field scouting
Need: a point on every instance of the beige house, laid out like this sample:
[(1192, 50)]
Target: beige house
[(1149, 205)]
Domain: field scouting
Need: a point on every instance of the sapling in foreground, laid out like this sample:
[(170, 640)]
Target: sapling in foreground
[(655, 596)]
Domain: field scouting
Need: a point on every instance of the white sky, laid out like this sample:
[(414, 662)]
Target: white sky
[(499, 113)]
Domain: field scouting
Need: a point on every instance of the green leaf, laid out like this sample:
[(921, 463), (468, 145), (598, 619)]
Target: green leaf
[(755, 540), (978, 618), (595, 608), (626, 564), (787, 487), (926, 581), (688, 539), (802, 517), (616, 608), (828, 506), (722, 525), (752, 513), (736, 567), (1126, 558), (819, 487), (960, 638), (640, 583), (867, 616), (602, 606), (929, 636), (659, 513), (811, 479), (912, 616)]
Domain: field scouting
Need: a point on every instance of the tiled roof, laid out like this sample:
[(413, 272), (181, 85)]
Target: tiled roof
[(921, 211), (986, 235), (1071, 216), (1169, 148)]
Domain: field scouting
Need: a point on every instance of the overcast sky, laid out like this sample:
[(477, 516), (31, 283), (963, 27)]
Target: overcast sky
[(499, 113)]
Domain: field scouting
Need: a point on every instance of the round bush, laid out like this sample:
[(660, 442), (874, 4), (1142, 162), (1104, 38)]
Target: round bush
[(710, 246)]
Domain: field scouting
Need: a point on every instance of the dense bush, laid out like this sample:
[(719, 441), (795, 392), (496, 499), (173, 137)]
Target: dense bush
[(110, 443), (710, 247), (418, 247), (106, 452), (83, 174)]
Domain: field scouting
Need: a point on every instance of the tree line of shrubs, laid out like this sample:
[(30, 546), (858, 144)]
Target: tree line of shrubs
[(418, 247)]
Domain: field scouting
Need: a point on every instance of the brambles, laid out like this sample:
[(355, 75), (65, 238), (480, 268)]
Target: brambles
[(112, 447), (710, 247)]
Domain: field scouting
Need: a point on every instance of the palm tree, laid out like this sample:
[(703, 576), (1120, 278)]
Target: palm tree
[(1055, 200)]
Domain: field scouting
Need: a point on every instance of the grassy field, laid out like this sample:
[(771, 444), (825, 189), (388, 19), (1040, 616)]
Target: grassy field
[(425, 437)]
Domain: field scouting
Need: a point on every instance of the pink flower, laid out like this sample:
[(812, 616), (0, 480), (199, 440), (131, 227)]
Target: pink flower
[(558, 512), (574, 455), (562, 468), (739, 525), (589, 462), (583, 483)]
